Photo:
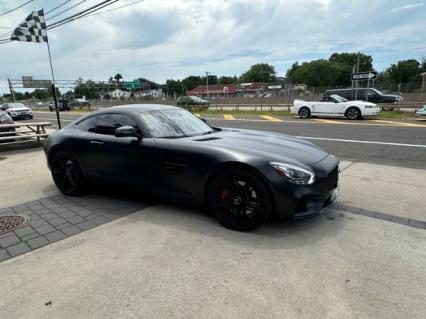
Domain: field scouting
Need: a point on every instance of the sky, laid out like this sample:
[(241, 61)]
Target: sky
[(162, 39)]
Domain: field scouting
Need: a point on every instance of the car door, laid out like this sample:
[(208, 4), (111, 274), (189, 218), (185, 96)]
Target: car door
[(124, 159), (324, 108)]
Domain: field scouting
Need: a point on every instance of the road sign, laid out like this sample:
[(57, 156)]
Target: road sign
[(360, 76), (132, 84), (29, 82)]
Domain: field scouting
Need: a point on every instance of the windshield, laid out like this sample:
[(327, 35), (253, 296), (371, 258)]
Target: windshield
[(376, 91), (174, 124), (15, 105), (338, 98)]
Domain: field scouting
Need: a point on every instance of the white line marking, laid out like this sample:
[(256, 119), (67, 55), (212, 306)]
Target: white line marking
[(362, 142)]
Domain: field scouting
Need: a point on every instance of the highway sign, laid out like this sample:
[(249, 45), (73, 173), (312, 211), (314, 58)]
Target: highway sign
[(360, 76), (29, 82), (132, 84)]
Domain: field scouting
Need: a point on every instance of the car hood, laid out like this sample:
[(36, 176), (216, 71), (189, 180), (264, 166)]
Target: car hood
[(19, 109), (273, 146)]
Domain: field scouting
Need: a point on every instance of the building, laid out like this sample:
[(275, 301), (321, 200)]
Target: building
[(215, 90), (120, 94)]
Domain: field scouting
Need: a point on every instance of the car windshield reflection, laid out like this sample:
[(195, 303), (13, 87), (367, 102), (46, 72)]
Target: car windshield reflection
[(174, 124)]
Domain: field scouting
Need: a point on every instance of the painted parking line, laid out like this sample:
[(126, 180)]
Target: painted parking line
[(330, 121), (270, 118), (228, 117), (360, 141)]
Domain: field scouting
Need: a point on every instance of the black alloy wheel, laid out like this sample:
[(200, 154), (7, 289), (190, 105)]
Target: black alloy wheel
[(66, 173), (353, 113), (239, 200), (304, 113)]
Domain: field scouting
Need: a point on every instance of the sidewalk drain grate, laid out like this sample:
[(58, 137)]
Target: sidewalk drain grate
[(9, 223)]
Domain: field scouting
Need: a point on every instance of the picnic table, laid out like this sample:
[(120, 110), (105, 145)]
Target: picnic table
[(24, 132)]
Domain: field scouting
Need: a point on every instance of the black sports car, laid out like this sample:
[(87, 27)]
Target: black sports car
[(242, 176)]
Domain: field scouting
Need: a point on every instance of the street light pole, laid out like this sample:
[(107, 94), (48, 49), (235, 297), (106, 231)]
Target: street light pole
[(207, 85)]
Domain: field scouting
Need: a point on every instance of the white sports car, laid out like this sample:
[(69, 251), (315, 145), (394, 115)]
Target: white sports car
[(337, 106)]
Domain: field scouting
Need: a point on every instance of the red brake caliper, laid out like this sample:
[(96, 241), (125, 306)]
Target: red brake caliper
[(223, 195)]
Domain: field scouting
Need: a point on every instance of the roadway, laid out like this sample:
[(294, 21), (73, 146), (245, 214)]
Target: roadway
[(387, 142)]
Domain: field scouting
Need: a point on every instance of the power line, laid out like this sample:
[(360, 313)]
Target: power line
[(67, 9), (57, 7), (113, 9), (14, 9), (81, 14)]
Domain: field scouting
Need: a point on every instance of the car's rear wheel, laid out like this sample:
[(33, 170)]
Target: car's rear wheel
[(239, 200), (66, 173), (304, 113), (353, 113)]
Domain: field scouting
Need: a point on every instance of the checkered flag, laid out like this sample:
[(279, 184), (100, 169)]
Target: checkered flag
[(33, 29)]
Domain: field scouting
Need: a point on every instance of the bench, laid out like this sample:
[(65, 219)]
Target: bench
[(25, 132)]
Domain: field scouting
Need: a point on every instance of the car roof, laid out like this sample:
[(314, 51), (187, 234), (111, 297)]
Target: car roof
[(137, 108)]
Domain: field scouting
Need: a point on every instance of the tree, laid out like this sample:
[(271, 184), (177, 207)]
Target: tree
[(228, 80), (261, 72), (404, 71), (147, 84), (173, 86), (348, 60), (118, 77), (89, 89), (42, 94), (192, 81), (335, 71)]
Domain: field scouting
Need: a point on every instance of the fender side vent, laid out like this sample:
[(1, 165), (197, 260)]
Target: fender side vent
[(175, 167)]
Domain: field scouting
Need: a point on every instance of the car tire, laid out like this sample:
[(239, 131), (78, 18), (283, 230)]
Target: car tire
[(304, 113), (353, 113), (388, 108), (239, 200), (66, 173)]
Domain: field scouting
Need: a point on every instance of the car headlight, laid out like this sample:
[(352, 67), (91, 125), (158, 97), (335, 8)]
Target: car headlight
[(369, 106), (4, 117), (293, 173)]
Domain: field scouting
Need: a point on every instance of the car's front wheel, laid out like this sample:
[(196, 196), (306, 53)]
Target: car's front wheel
[(239, 200), (66, 173), (353, 113), (304, 113)]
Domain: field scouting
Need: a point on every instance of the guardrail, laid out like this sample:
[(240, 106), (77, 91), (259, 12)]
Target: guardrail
[(32, 132)]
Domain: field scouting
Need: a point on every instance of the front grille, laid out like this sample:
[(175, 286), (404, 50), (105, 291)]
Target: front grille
[(332, 179)]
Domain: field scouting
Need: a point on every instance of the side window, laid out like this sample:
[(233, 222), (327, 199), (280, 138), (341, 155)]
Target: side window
[(88, 124), (106, 124)]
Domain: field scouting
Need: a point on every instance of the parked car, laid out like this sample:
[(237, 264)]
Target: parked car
[(422, 111), (63, 105), (243, 176), (77, 103), (337, 106), (191, 100), (6, 119), (365, 94), (17, 111)]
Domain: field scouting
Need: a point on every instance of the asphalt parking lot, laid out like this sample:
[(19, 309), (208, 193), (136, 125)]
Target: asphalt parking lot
[(104, 256)]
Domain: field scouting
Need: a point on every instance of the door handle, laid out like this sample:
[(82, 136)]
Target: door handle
[(98, 143)]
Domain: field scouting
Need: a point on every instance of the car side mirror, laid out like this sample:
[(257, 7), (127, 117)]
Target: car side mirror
[(3, 108), (125, 131)]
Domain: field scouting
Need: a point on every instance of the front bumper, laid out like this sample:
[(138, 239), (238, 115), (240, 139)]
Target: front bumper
[(304, 201), (316, 205)]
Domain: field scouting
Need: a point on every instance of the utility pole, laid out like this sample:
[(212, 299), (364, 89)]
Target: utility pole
[(11, 90), (356, 82), (207, 84)]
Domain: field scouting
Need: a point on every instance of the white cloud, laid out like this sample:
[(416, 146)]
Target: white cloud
[(161, 39), (407, 7)]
